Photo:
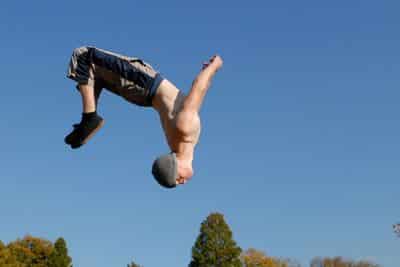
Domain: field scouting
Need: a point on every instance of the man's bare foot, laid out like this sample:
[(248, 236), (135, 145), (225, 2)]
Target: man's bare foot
[(215, 62)]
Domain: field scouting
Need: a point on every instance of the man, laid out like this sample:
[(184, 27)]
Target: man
[(135, 80)]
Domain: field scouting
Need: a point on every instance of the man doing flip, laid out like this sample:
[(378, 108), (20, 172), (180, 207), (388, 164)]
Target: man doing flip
[(136, 81)]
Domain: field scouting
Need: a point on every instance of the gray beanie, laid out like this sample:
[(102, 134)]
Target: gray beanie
[(165, 170)]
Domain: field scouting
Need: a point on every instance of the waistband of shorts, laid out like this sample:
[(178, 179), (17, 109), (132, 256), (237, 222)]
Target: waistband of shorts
[(156, 83)]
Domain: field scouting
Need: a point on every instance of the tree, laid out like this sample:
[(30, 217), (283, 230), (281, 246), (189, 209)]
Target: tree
[(132, 264), (215, 246), (6, 259), (340, 262), (256, 258), (287, 262), (396, 229), (316, 262), (31, 251), (59, 256), (34, 252)]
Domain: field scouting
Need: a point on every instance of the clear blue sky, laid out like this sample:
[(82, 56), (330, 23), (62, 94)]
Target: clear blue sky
[(300, 143)]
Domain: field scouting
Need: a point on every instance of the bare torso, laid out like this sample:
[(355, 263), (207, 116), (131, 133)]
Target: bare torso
[(179, 115), (181, 128)]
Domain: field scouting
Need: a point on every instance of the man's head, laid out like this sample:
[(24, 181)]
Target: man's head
[(169, 171)]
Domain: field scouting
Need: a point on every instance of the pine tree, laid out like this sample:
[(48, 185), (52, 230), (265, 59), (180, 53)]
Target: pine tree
[(59, 257), (215, 246)]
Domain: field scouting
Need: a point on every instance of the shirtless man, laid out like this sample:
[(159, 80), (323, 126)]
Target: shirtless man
[(135, 80)]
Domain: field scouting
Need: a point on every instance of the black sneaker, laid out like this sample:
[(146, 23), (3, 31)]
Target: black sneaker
[(84, 131)]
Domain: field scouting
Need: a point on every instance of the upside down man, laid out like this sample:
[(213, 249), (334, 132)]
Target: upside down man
[(137, 82)]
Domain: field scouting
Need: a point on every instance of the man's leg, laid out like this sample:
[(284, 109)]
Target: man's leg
[(91, 122), (130, 78), (88, 98), (82, 71)]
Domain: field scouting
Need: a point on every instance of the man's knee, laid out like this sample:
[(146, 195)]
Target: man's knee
[(80, 67), (80, 50)]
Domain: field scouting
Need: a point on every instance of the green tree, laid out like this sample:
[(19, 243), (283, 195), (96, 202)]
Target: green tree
[(215, 246), (59, 256), (132, 264)]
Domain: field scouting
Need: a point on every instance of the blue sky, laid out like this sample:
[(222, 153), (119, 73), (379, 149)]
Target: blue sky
[(300, 142)]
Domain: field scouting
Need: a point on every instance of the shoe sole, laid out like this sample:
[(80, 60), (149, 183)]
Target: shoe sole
[(93, 133)]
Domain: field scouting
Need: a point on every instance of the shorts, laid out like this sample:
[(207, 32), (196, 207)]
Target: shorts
[(131, 78)]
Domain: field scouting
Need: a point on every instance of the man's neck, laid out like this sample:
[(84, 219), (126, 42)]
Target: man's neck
[(185, 159), (185, 152)]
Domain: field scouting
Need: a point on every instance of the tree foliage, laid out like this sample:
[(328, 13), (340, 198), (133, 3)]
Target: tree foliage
[(340, 262), (396, 229), (59, 256), (133, 264), (215, 246), (256, 258), (29, 252)]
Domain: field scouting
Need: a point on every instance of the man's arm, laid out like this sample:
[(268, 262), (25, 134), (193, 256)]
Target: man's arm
[(200, 85)]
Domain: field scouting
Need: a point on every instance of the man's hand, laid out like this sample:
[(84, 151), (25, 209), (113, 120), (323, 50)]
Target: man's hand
[(215, 62)]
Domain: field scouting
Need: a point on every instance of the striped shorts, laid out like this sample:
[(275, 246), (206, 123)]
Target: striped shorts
[(131, 78)]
